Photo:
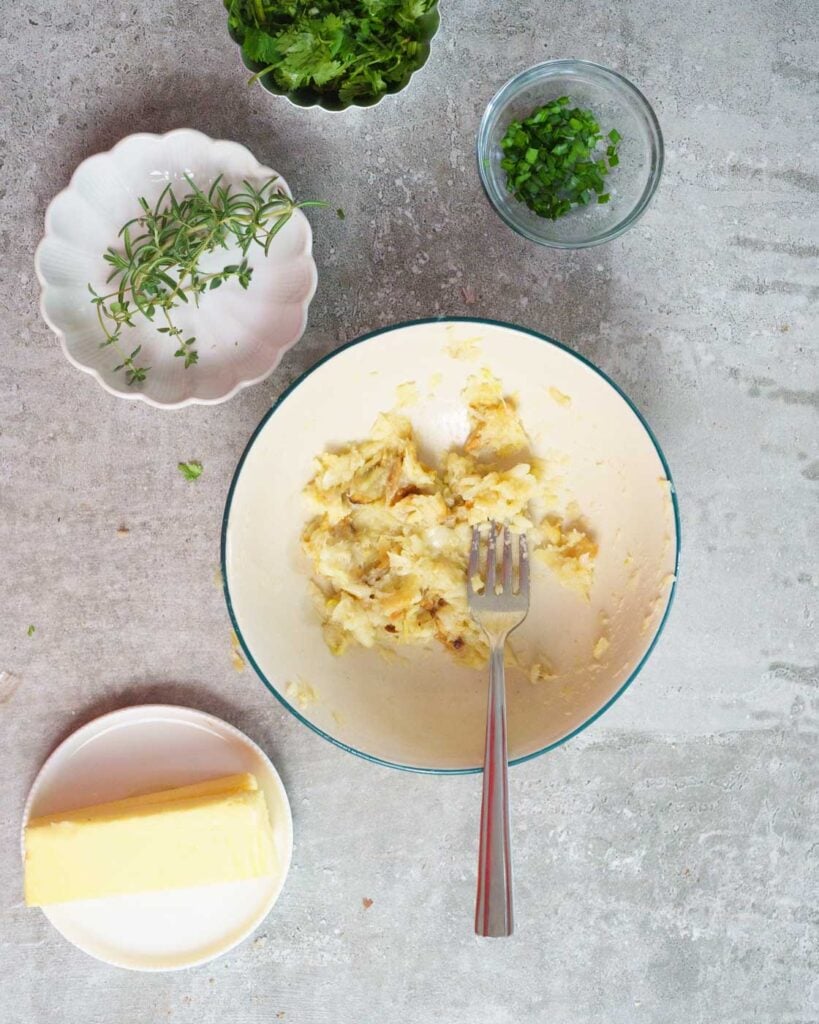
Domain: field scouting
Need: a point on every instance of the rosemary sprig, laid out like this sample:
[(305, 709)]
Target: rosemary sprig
[(157, 267)]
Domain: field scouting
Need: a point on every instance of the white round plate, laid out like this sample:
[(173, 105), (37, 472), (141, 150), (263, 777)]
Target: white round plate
[(141, 750), (241, 334), (421, 709)]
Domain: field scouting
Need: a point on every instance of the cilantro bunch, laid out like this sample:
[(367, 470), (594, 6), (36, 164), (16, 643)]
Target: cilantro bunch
[(347, 50)]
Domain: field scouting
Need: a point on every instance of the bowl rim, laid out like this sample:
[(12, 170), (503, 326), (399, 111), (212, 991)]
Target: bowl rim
[(553, 66), (92, 371), (279, 695)]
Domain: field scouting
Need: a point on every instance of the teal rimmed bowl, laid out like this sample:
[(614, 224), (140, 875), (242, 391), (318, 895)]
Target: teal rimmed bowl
[(420, 710), (428, 24)]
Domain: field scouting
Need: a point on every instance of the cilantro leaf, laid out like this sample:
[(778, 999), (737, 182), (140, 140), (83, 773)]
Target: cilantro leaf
[(326, 72), (260, 47), (190, 470)]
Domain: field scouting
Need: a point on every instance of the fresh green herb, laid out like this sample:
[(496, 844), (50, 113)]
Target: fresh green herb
[(30, 631), (158, 266), (190, 470), (552, 161), (340, 214), (345, 49)]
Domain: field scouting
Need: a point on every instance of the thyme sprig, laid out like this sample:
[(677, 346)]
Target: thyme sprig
[(157, 267)]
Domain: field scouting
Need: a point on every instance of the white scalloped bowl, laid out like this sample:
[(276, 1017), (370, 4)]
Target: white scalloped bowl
[(241, 335)]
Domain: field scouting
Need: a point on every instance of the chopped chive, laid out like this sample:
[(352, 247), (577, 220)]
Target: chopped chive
[(553, 159)]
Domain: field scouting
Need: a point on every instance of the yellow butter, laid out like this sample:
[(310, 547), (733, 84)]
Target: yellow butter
[(159, 841), (224, 784)]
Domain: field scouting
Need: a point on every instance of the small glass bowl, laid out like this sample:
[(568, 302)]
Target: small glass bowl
[(615, 103)]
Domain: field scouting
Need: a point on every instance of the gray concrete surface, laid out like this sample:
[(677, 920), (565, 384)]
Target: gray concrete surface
[(666, 859)]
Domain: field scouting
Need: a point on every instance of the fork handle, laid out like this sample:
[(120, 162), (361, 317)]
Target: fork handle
[(493, 905)]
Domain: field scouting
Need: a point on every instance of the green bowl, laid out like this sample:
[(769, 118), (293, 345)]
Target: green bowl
[(329, 101)]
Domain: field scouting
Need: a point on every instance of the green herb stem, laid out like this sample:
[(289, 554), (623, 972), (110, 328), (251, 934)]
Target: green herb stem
[(157, 267)]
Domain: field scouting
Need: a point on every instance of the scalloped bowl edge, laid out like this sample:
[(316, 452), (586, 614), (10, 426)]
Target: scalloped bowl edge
[(138, 395)]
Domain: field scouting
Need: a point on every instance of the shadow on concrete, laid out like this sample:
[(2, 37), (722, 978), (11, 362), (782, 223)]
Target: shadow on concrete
[(214, 104), (256, 725)]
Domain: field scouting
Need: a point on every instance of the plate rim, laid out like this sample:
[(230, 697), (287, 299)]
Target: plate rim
[(230, 728), (538, 336)]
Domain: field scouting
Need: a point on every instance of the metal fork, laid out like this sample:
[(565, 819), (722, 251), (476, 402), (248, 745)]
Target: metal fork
[(498, 609)]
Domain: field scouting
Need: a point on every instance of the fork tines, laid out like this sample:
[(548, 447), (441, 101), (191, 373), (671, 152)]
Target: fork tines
[(500, 568)]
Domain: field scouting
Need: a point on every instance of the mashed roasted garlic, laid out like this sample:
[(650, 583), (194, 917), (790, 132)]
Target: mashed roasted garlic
[(389, 541)]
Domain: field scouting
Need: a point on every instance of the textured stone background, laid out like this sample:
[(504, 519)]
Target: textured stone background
[(666, 859)]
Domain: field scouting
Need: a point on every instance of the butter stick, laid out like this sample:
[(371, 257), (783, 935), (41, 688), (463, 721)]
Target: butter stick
[(213, 832), (224, 784)]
